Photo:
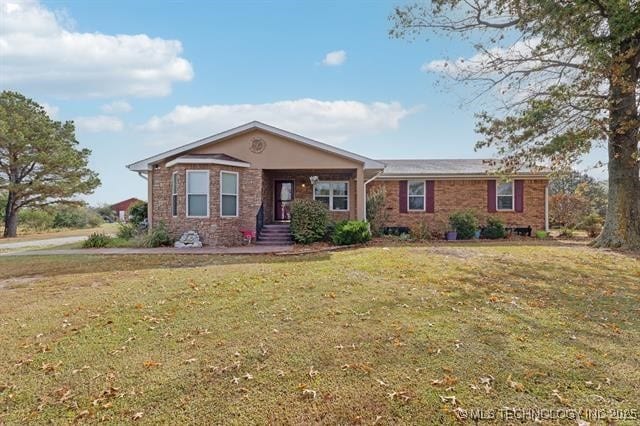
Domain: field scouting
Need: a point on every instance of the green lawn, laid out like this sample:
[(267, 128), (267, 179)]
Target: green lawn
[(363, 336)]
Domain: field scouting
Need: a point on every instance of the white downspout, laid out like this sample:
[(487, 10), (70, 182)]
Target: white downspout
[(366, 182), (546, 207)]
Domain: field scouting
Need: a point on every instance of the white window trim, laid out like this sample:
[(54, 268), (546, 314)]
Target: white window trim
[(424, 196), (513, 197), (174, 192), (237, 194), (186, 190), (331, 194)]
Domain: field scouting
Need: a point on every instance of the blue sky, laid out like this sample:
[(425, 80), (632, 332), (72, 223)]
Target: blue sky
[(195, 68)]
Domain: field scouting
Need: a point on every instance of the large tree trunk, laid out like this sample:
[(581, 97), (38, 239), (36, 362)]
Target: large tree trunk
[(10, 217), (622, 225)]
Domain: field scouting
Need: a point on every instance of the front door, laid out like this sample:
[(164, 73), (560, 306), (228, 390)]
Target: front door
[(284, 196)]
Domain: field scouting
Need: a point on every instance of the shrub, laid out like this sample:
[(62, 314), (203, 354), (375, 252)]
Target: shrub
[(567, 233), (69, 217), (465, 223), (93, 218), (35, 219), (76, 217), (495, 229), (137, 212), (421, 232), (542, 234), (309, 221), (377, 213), (567, 209), (592, 224), (126, 231), (97, 240), (351, 232), (158, 237), (106, 212)]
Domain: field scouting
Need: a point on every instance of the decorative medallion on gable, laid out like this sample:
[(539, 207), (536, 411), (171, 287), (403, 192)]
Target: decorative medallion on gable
[(257, 145)]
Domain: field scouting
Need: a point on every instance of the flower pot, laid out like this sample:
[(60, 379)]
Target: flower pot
[(451, 235), (477, 234)]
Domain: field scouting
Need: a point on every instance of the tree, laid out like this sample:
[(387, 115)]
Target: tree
[(137, 212), (582, 185), (40, 163), (568, 209), (564, 76)]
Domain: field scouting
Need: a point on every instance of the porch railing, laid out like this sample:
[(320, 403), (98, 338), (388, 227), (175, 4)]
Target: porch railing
[(260, 219)]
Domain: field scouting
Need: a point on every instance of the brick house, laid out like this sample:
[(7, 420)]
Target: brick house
[(245, 179)]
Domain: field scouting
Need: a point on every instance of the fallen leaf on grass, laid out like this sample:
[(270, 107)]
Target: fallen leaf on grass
[(190, 360), (451, 399), (137, 416), (447, 380), (312, 372), (518, 387), (151, 364)]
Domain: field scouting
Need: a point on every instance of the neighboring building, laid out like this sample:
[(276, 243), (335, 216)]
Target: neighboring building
[(244, 177), (121, 208)]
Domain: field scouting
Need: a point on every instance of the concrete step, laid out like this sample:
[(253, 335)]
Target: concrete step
[(275, 232), (274, 243), (274, 238)]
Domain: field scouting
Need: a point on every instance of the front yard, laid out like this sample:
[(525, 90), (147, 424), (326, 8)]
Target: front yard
[(376, 335)]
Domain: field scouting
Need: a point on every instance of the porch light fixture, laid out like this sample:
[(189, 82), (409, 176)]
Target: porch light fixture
[(313, 180)]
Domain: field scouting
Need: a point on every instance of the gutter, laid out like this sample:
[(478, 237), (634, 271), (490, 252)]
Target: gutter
[(141, 174)]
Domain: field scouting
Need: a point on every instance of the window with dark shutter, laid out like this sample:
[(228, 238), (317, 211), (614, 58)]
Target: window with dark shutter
[(402, 196), (491, 196), (519, 195), (431, 196)]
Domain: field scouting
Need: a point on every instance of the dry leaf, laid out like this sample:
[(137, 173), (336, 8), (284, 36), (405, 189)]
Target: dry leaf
[(518, 387), (137, 416)]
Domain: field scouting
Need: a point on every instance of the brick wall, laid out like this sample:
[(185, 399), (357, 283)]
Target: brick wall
[(455, 195), (213, 230)]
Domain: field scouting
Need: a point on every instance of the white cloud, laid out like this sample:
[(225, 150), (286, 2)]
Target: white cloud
[(335, 58), (492, 58), (99, 123), (41, 52), (116, 107), (327, 121), (51, 110)]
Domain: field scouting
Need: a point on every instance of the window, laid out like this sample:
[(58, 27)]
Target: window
[(228, 194), (504, 194), (174, 194), (334, 194), (415, 194), (197, 193)]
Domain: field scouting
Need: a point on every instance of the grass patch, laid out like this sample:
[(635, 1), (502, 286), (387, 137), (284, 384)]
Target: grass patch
[(27, 235), (375, 334)]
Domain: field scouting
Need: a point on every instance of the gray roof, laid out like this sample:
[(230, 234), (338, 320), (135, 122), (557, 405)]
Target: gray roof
[(445, 167)]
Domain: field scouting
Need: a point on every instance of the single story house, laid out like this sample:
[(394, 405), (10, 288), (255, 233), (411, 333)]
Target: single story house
[(246, 178), (122, 207)]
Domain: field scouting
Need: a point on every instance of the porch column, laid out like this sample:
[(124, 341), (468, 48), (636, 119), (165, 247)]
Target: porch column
[(360, 195)]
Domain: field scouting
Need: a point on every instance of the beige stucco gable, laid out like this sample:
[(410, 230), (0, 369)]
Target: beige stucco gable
[(278, 153)]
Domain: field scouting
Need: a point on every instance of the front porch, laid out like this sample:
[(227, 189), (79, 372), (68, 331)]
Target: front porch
[(338, 188)]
